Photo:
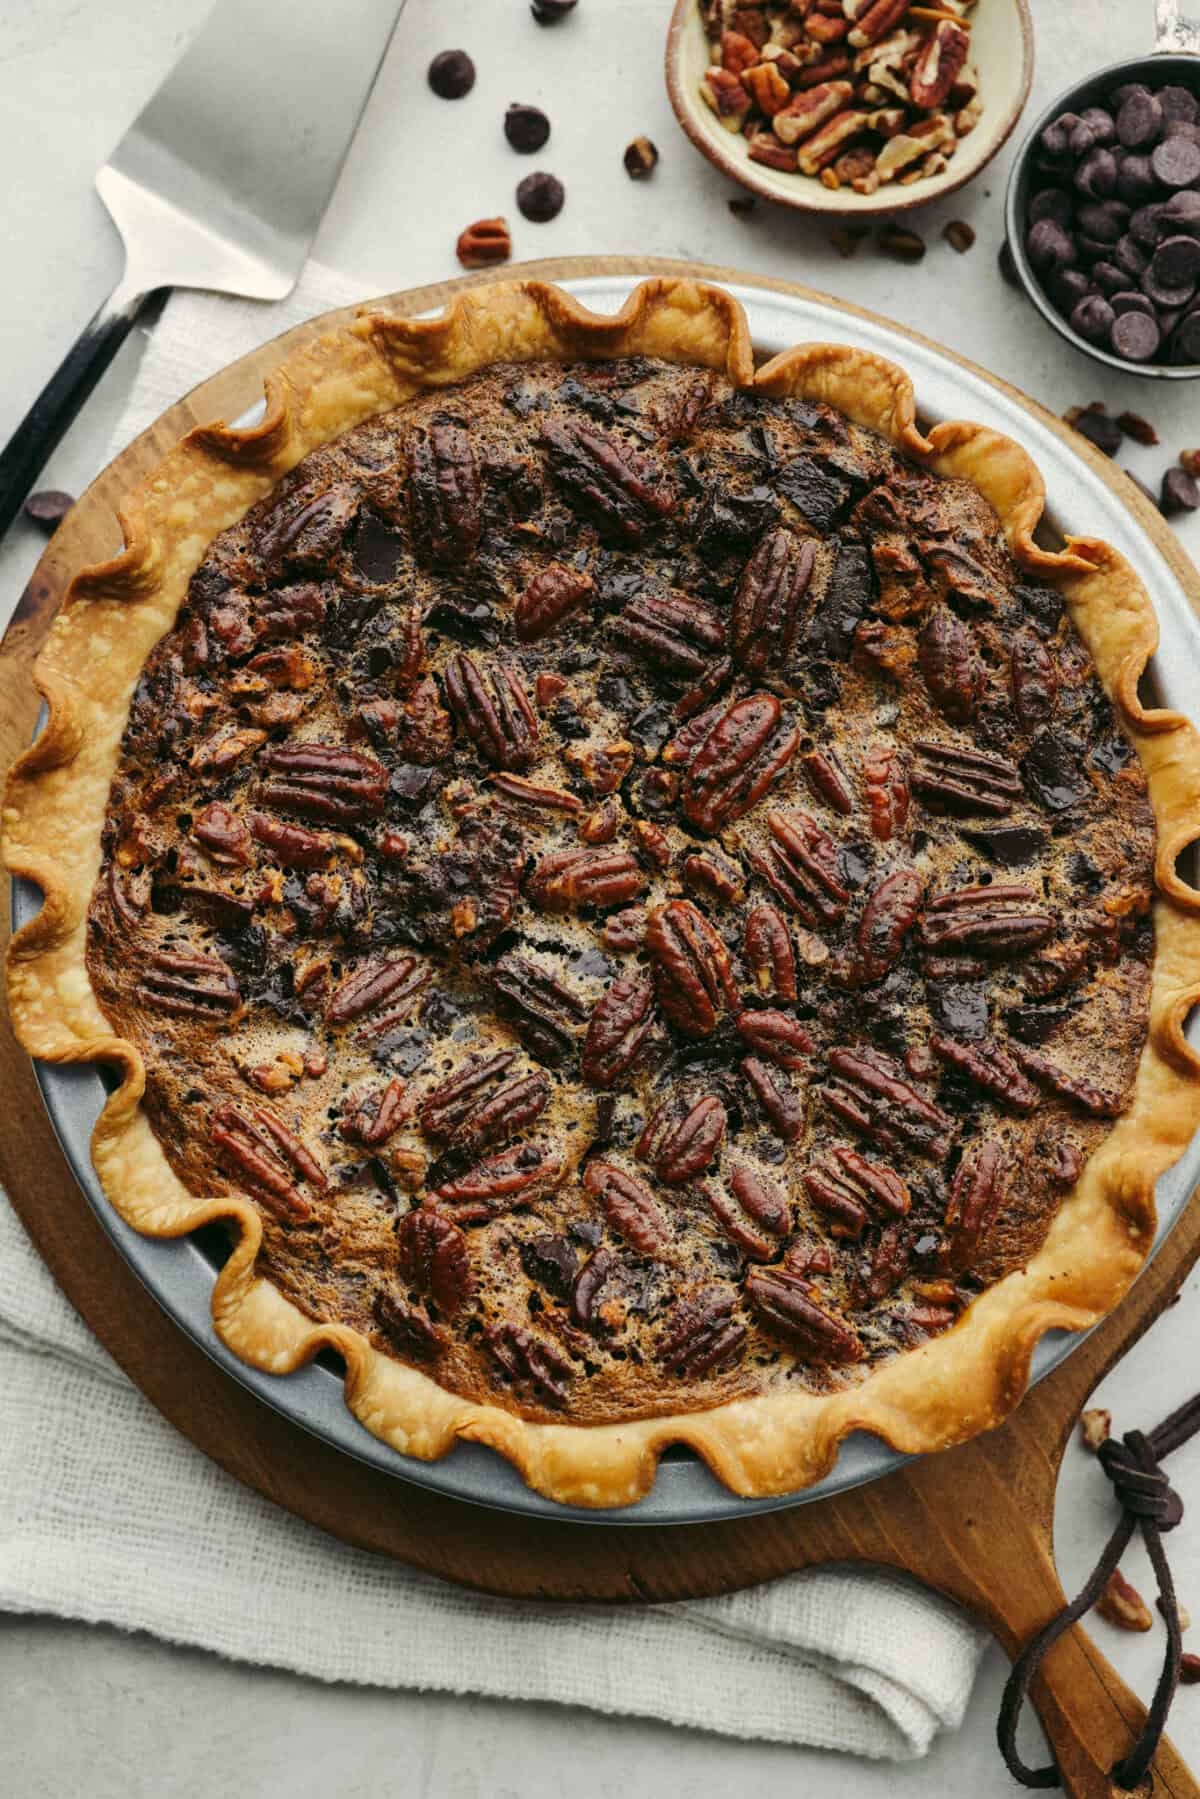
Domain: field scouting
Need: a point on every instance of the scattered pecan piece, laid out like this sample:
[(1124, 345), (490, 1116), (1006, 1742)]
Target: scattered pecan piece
[(629, 1206), (485, 242), (432, 1255), (679, 1148), (701, 1334), (692, 968), (769, 953), (747, 749), (867, 1090), (494, 710), (1095, 1427), (565, 880), (621, 1021), (1123, 1605), (791, 1305)]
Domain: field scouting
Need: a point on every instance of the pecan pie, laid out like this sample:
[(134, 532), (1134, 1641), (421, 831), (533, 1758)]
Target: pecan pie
[(629, 882)]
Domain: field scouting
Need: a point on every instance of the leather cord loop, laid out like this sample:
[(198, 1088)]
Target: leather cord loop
[(1149, 1503)]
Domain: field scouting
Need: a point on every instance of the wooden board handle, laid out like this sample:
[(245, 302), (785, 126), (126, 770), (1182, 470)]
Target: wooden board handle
[(1092, 1719)]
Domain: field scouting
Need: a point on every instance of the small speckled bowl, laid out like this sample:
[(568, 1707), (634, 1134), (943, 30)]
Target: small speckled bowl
[(1162, 69), (1002, 40)]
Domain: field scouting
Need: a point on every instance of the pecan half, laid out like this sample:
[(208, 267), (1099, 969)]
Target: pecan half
[(886, 786), (587, 1287), (766, 606), (292, 846), (701, 1334), (1076, 1087), (554, 593), (408, 1328), (432, 1255), (540, 799), (672, 632), (976, 1197), (810, 108), (223, 834), (621, 1021), (324, 781), (888, 916), (485, 242), (529, 1362), (189, 986), (1034, 681), (867, 1090), (566, 880), (965, 780), (710, 875), (777, 1097), (804, 867), (545, 1014), (995, 921), (755, 1216), (629, 1206), (501, 1182), (937, 67), (777, 1036), (951, 665), (769, 954), (266, 1157), (1123, 1605), (225, 749), (791, 1305), (679, 1148), (987, 1066), (494, 710), (478, 1106), (747, 749), (304, 530), (827, 778), (445, 499), (849, 1190), (378, 985), (622, 489), (371, 1118), (692, 970)]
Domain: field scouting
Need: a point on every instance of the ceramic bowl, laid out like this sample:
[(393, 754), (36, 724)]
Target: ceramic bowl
[(1158, 70), (1002, 36)]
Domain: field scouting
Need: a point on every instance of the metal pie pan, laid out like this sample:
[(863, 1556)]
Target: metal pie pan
[(180, 1273)]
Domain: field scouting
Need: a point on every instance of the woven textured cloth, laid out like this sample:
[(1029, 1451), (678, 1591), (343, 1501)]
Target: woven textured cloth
[(107, 1515)]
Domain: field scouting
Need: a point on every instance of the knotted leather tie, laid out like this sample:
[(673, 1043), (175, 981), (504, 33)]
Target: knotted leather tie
[(1149, 1502)]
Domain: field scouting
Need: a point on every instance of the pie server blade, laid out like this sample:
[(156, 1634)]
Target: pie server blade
[(220, 182)]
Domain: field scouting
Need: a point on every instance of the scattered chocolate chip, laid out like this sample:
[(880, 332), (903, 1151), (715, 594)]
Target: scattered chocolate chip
[(451, 74), (640, 158), (549, 12), (1176, 162), (1093, 318), (742, 205), (48, 508), (1096, 425), (846, 239), (904, 245), (540, 197), (1135, 426), (526, 127), (1008, 268), (1179, 493), (959, 235), (1135, 337)]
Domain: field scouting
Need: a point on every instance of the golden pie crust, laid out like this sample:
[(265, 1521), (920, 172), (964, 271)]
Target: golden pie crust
[(114, 614)]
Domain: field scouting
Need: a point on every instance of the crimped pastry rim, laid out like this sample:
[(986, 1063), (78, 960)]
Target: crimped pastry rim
[(926, 1398)]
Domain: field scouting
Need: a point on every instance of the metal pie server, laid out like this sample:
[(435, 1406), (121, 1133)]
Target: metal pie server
[(221, 182)]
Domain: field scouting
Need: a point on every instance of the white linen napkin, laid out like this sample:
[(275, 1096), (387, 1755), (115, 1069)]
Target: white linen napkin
[(108, 1515)]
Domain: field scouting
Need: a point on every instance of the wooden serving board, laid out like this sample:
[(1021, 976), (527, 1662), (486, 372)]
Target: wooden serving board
[(974, 1522)]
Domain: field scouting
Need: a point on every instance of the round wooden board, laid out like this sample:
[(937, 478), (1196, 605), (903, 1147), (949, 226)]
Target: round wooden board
[(974, 1522)]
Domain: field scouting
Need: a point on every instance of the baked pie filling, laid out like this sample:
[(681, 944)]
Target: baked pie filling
[(643, 894)]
